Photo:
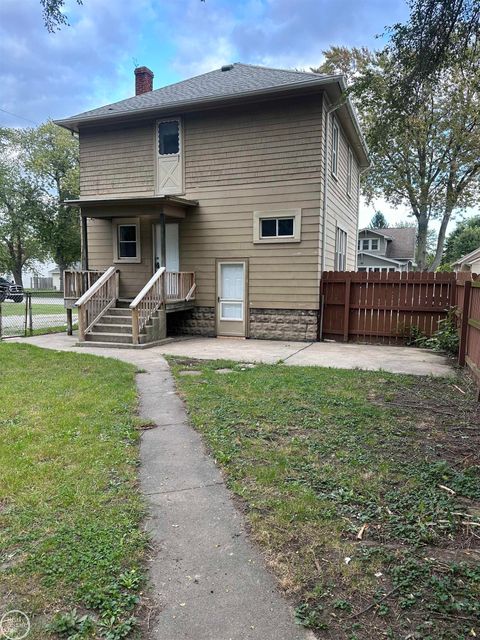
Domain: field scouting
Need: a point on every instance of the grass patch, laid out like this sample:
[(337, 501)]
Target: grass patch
[(18, 309), (363, 488), (70, 543)]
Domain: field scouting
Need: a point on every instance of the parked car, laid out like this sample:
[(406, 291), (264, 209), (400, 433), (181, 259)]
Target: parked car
[(10, 291)]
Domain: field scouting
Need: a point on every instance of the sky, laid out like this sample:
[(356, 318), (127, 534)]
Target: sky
[(91, 62)]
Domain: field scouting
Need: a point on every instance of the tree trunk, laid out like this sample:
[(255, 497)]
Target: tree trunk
[(422, 232), (441, 239), (61, 267), (17, 274)]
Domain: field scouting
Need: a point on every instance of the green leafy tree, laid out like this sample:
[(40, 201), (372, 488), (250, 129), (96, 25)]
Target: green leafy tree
[(50, 156), (20, 207), (428, 159), (463, 239), (378, 221), (436, 34)]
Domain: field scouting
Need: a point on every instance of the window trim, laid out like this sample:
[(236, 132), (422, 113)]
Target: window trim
[(335, 148), (180, 146), (369, 246), (349, 172), (268, 214), (130, 222), (336, 263)]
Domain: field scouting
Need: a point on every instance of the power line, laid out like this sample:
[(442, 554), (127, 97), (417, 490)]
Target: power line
[(17, 116)]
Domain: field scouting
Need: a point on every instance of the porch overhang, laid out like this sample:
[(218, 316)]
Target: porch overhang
[(101, 207)]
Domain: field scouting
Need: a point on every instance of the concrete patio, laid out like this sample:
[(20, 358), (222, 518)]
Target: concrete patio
[(322, 354)]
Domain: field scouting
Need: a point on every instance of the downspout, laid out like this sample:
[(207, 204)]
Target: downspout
[(324, 210), (360, 174), (84, 241)]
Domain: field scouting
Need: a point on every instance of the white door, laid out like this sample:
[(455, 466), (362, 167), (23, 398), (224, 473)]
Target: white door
[(172, 254), (169, 157), (231, 308)]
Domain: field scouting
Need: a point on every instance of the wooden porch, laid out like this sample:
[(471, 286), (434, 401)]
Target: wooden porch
[(105, 317)]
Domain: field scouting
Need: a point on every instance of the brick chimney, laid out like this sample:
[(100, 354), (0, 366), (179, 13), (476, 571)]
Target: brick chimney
[(143, 80)]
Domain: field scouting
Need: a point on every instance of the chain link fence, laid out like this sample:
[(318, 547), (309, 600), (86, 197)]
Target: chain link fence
[(35, 313)]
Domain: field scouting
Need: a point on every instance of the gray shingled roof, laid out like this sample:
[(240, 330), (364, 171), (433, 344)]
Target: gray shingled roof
[(241, 78), (402, 241), (402, 244)]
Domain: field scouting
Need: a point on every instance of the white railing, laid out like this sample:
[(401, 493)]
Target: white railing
[(76, 283), (180, 285), (94, 303), (148, 301)]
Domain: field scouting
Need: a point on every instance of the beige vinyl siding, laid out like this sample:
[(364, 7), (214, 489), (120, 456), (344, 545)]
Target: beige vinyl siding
[(133, 276), (262, 157), (117, 161), (342, 209)]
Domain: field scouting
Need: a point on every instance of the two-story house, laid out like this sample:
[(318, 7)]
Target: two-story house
[(389, 249), (217, 201)]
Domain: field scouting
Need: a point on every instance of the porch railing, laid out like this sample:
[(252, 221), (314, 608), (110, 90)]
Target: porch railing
[(180, 285), (148, 301), (94, 303), (76, 283)]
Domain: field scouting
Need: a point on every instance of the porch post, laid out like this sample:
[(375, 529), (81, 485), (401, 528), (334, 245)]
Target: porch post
[(163, 245), (84, 241)]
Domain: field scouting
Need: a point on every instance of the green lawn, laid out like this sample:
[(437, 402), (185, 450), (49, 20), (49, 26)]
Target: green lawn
[(70, 512), (18, 309), (363, 489)]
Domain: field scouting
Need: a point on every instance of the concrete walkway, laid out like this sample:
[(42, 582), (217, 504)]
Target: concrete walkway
[(209, 582), (320, 354)]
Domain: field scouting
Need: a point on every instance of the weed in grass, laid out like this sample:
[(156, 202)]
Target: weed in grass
[(316, 454)]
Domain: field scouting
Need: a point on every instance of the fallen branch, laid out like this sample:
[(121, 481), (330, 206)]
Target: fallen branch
[(373, 604)]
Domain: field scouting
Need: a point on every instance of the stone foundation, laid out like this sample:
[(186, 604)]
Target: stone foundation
[(199, 321), (284, 324), (265, 324)]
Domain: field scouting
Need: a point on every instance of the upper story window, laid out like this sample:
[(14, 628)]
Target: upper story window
[(368, 244), (169, 170), (169, 137), (349, 172), (276, 226), (340, 250), (335, 142)]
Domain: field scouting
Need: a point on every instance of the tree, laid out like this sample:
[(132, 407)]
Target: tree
[(20, 204), (436, 33), (378, 221), (50, 155), (463, 239), (53, 16), (428, 159)]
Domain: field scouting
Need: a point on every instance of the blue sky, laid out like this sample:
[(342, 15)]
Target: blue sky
[(91, 62)]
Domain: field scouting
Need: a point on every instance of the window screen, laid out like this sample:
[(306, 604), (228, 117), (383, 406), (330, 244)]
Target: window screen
[(168, 138), (127, 241), (276, 227)]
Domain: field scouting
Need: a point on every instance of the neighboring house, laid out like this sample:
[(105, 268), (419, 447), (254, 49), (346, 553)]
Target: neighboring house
[(55, 276), (383, 250), (246, 178), (468, 262)]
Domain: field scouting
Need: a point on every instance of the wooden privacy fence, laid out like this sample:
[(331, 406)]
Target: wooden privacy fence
[(390, 308), (384, 307), (468, 310)]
